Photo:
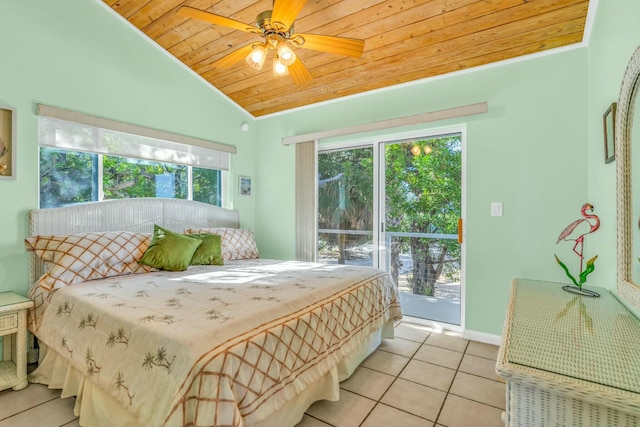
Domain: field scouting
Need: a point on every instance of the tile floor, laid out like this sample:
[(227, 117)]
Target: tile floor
[(423, 378)]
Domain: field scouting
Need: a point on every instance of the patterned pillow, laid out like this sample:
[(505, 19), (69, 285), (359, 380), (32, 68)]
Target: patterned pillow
[(237, 243), (79, 257)]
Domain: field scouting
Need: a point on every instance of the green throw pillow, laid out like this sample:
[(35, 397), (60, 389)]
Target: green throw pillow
[(169, 250), (209, 252)]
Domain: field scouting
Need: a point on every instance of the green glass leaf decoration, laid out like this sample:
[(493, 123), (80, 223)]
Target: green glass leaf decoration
[(566, 270), (588, 270)]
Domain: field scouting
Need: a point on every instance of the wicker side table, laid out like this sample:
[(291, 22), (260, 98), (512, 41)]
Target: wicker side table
[(13, 330), (569, 360)]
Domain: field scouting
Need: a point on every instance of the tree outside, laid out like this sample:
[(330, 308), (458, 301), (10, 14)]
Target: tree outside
[(423, 195)]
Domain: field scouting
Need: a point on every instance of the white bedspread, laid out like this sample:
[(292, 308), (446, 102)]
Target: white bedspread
[(214, 345)]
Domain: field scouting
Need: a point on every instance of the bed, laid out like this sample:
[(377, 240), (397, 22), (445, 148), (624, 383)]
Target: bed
[(251, 342)]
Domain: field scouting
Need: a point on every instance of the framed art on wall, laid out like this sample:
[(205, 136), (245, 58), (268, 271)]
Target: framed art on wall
[(609, 124), (244, 185), (7, 143)]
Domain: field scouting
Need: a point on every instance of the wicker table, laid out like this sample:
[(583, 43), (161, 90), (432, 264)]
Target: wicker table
[(13, 329), (569, 360)]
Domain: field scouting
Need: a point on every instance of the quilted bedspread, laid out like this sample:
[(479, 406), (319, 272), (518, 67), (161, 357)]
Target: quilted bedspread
[(214, 345)]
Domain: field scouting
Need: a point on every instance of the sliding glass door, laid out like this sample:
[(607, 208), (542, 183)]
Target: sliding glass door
[(420, 203), (397, 205)]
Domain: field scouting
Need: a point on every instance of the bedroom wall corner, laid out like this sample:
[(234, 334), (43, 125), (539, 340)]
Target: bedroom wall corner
[(614, 38)]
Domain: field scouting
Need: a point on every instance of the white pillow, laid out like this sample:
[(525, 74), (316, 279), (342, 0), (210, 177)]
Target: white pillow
[(237, 243)]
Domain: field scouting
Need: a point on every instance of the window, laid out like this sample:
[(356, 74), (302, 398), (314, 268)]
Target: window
[(82, 162), (73, 177)]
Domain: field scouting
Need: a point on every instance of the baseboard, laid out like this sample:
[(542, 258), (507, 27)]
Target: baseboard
[(482, 337)]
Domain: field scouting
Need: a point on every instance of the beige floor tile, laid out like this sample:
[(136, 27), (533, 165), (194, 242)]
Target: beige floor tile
[(429, 374), (368, 383), (479, 389), (453, 342), (400, 346), (414, 398), (76, 423), (385, 362), (308, 421), (460, 412), (488, 351), (14, 402), (349, 411), (385, 416), (413, 332), (439, 356), (52, 413), (479, 366)]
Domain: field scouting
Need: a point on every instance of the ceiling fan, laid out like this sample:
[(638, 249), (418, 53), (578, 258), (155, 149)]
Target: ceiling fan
[(276, 28)]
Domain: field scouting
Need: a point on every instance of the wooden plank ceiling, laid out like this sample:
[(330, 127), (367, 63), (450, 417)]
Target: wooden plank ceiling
[(405, 40)]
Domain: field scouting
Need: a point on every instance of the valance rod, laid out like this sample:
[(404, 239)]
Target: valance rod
[(86, 119), (432, 116)]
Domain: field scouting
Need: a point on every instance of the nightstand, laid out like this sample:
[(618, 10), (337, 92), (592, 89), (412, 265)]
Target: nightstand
[(13, 330)]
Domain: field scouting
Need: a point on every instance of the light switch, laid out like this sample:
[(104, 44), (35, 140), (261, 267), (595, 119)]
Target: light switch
[(496, 208)]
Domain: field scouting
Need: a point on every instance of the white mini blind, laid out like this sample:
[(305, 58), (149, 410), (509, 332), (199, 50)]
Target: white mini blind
[(69, 130)]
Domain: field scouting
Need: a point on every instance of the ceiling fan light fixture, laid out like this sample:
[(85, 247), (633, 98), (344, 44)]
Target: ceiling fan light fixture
[(286, 54), (279, 69), (257, 57)]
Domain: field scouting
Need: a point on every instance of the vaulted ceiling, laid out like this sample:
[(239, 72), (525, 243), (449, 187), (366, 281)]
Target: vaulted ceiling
[(405, 40)]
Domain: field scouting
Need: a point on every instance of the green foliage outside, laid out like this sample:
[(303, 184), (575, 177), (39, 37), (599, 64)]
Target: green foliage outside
[(423, 196), (71, 177)]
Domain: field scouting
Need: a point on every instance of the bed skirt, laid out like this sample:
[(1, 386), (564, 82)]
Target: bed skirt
[(96, 408)]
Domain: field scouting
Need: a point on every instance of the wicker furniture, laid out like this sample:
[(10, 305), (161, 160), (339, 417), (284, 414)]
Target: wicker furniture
[(569, 360), (13, 329)]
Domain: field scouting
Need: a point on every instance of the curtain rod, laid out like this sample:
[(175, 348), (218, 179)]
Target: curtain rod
[(432, 116)]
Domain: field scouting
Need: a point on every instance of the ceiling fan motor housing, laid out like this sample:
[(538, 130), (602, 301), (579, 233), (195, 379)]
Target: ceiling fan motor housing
[(263, 22)]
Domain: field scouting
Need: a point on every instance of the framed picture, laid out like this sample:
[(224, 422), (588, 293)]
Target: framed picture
[(7, 143), (609, 123), (244, 185)]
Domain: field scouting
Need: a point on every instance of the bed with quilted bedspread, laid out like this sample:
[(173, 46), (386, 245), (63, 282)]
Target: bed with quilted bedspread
[(235, 340)]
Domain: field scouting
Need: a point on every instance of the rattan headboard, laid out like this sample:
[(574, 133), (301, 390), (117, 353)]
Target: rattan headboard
[(126, 215)]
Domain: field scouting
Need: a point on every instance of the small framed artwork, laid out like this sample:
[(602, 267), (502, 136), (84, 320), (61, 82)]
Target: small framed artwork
[(609, 123), (7, 143), (244, 185)]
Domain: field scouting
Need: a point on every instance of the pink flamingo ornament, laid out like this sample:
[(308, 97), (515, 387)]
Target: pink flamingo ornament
[(571, 231)]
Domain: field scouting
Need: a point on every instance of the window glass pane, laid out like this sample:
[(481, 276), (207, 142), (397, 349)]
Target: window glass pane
[(129, 178), (207, 186), (73, 177), (66, 177), (345, 206)]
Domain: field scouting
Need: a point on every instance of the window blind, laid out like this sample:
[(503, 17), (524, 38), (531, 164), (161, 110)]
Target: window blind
[(306, 204), (69, 130)]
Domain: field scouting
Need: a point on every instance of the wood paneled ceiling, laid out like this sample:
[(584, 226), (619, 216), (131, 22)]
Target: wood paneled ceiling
[(405, 40)]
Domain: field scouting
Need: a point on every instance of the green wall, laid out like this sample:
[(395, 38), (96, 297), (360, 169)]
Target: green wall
[(615, 36), (79, 55)]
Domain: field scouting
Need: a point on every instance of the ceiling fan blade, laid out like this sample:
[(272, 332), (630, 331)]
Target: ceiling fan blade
[(299, 72), (332, 44), (235, 56), (217, 19), (285, 12)]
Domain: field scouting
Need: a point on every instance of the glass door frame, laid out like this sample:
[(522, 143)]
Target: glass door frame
[(379, 236)]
